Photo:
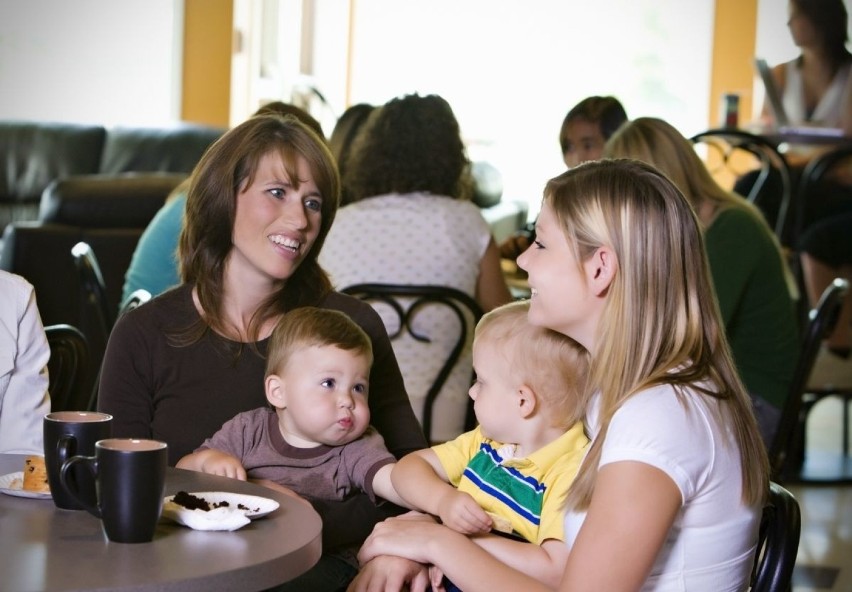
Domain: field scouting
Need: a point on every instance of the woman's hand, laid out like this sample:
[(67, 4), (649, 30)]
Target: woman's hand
[(404, 536), (387, 573)]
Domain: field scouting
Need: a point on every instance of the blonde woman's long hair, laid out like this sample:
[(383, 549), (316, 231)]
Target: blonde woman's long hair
[(660, 324)]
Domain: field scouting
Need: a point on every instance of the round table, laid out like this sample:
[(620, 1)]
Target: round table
[(43, 548)]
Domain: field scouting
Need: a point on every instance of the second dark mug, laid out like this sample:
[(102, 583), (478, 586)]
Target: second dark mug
[(131, 479), (69, 433)]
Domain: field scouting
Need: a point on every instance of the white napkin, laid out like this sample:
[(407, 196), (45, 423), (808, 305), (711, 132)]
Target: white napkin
[(222, 518)]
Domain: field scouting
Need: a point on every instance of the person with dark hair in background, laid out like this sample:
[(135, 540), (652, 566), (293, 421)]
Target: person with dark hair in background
[(815, 86), (586, 128), (816, 90), (340, 142), (412, 222)]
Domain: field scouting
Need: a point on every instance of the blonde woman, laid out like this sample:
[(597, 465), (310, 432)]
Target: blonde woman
[(669, 496), (750, 277)]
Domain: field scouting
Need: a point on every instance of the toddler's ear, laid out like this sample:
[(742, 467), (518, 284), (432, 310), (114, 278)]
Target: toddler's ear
[(527, 401), (275, 394)]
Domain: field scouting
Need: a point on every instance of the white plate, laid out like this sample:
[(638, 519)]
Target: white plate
[(253, 506), (13, 483), (241, 509)]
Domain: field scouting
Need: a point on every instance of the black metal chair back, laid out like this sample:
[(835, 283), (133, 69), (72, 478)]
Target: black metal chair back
[(93, 286), (67, 368), (787, 450), (136, 299), (728, 143), (813, 175), (407, 301), (778, 544)]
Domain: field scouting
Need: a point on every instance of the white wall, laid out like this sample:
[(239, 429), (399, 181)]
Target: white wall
[(91, 61), (512, 69)]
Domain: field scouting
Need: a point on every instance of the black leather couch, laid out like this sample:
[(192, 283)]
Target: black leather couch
[(34, 154), (65, 183)]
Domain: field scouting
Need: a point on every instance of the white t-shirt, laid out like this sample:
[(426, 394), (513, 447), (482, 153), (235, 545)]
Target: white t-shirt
[(415, 238), (712, 542)]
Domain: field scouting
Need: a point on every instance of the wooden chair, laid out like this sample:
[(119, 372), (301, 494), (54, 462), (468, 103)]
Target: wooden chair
[(735, 152), (407, 302), (69, 359), (787, 451), (778, 542)]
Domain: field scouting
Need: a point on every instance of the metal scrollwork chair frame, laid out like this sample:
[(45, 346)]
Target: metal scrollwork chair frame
[(727, 142), (67, 367), (414, 298)]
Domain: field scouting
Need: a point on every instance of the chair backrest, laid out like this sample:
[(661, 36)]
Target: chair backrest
[(137, 298), (92, 285), (820, 323), (407, 301), (67, 368), (778, 544), (728, 149), (814, 173)]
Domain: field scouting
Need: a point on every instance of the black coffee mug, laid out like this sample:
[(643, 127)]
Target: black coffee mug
[(131, 479), (69, 433)]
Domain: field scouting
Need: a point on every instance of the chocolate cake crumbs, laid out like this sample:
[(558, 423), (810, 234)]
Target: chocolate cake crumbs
[(193, 502)]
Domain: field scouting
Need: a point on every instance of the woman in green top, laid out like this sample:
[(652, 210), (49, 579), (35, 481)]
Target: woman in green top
[(754, 288)]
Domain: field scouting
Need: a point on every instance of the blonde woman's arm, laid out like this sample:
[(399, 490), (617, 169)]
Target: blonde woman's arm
[(633, 502)]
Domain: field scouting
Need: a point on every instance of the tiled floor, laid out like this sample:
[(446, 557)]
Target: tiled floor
[(825, 551)]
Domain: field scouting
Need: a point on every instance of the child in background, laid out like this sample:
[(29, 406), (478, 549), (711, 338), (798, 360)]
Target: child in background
[(586, 128), (516, 466), (315, 439)]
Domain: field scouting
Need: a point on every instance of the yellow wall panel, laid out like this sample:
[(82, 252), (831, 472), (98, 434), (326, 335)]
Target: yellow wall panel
[(208, 26), (734, 42)]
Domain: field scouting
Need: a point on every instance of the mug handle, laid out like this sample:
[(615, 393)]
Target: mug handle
[(70, 484), (66, 446)]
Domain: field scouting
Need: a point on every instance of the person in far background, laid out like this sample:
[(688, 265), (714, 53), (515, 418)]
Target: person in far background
[(816, 87), (342, 136), (24, 352), (752, 283), (585, 130), (154, 265), (412, 222), (816, 90)]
